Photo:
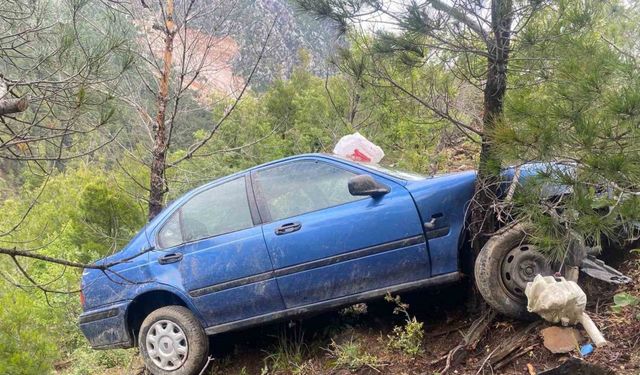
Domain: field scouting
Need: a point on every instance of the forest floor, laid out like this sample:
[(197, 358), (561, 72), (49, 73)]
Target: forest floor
[(357, 340)]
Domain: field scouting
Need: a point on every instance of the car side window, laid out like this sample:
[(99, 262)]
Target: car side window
[(171, 234), (218, 210), (298, 187)]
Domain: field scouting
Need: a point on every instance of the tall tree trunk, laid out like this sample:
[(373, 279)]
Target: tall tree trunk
[(482, 216), (483, 220), (158, 185)]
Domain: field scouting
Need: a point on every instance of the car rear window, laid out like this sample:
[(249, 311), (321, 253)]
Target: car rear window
[(221, 209)]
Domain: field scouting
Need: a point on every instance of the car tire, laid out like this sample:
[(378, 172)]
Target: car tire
[(497, 280), (173, 342)]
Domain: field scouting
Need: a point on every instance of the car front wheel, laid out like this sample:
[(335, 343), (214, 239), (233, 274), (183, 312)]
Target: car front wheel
[(506, 263), (172, 342)]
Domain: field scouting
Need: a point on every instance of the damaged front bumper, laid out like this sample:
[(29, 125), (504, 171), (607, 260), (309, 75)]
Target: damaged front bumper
[(597, 269)]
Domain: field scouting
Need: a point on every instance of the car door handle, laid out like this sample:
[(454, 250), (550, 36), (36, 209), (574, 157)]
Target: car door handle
[(431, 224), (288, 228), (438, 226), (437, 220), (170, 258)]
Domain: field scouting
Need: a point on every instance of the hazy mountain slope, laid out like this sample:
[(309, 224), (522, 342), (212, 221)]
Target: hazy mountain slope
[(294, 31)]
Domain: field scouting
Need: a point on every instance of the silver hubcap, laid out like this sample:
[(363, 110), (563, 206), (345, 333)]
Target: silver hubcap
[(167, 345)]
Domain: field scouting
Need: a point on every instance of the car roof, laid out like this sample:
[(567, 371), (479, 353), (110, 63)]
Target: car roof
[(299, 156)]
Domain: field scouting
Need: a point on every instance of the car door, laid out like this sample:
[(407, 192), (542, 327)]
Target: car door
[(213, 246), (325, 243)]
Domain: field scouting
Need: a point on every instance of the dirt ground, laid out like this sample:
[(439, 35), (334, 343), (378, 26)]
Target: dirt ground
[(445, 318)]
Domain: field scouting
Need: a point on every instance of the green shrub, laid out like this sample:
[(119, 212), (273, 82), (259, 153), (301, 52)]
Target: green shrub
[(624, 300), (27, 335), (350, 355), (406, 338)]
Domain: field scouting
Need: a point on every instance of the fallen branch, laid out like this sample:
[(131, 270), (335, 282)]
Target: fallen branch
[(470, 340), (512, 348), (63, 262), (447, 331), (518, 354)]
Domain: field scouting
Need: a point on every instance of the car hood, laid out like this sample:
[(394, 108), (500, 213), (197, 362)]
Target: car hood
[(459, 186), (529, 170)]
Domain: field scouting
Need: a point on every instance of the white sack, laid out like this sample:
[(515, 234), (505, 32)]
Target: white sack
[(561, 302), (556, 301)]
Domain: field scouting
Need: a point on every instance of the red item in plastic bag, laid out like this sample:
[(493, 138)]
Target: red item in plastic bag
[(358, 148), (359, 156)]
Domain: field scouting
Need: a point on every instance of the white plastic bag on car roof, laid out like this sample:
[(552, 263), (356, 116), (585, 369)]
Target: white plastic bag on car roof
[(358, 148)]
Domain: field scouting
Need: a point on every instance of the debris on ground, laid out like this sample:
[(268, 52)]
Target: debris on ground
[(469, 341), (574, 366), (597, 269), (481, 340), (586, 349), (557, 300), (561, 339), (511, 348)]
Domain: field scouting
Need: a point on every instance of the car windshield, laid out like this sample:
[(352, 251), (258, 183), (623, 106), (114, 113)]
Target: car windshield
[(404, 175)]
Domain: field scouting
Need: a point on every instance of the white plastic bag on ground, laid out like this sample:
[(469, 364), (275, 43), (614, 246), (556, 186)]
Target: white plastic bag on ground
[(358, 148), (561, 302), (556, 301)]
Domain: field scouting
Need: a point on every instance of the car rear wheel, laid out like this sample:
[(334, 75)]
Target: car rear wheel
[(503, 268), (172, 342)]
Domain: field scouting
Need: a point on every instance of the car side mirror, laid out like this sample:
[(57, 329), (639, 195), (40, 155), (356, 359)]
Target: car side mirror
[(364, 184)]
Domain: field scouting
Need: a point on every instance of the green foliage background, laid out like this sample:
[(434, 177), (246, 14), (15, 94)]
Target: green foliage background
[(93, 206), (573, 98)]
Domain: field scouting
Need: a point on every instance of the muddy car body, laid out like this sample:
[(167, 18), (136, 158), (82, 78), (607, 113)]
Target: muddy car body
[(294, 236)]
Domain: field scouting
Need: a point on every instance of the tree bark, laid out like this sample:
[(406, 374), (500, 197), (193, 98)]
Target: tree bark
[(158, 184), (8, 106), (483, 222)]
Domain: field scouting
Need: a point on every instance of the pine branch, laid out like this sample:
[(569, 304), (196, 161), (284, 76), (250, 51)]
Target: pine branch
[(460, 16), (338, 11)]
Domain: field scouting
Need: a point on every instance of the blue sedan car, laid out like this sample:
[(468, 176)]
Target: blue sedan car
[(294, 236)]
